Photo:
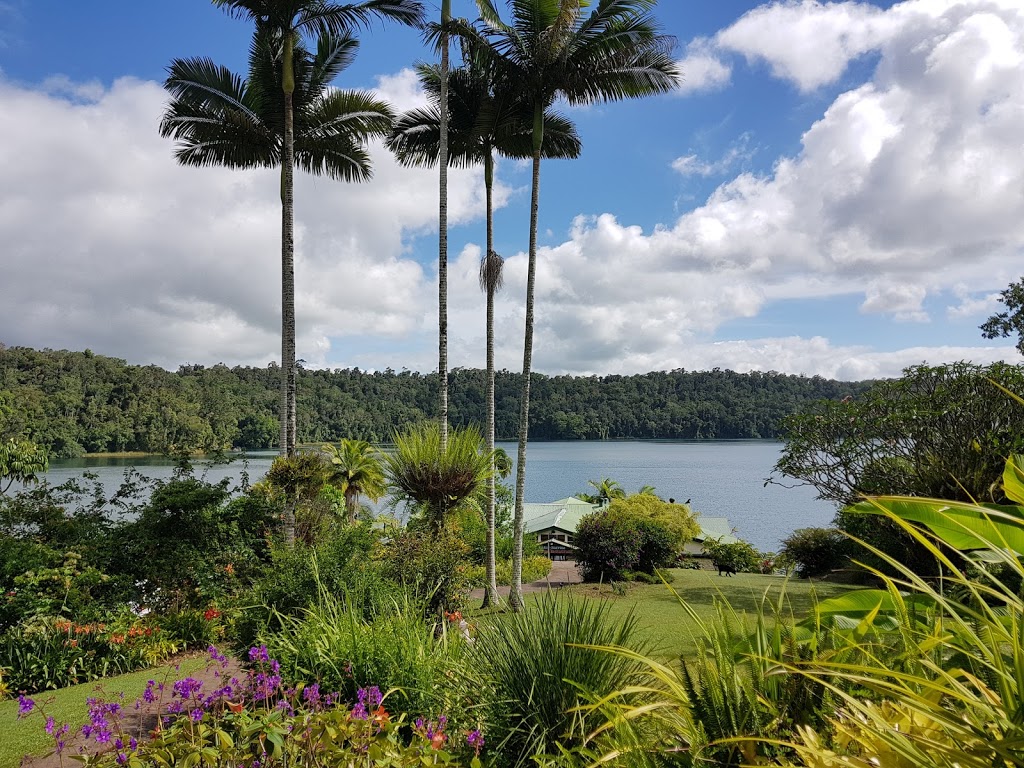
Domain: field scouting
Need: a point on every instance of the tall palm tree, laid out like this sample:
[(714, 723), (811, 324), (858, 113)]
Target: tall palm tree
[(442, 232), (285, 23), (552, 50), (481, 121), (219, 118), (607, 489), (356, 470)]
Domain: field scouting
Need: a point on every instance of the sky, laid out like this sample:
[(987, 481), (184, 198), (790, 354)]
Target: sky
[(835, 189)]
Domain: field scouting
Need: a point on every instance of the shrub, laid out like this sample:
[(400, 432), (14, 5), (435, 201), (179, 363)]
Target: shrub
[(529, 673), (611, 542), (739, 555), (816, 551), (432, 567), (676, 519)]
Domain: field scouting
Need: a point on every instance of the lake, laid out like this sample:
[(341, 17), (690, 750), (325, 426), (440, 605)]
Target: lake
[(722, 478)]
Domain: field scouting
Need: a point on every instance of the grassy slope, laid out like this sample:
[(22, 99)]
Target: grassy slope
[(668, 625), (27, 737)]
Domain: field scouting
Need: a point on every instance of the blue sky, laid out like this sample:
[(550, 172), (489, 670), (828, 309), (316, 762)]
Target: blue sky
[(836, 189)]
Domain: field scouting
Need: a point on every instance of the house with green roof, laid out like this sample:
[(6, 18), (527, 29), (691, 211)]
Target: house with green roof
[(554, 524), (710, 528)]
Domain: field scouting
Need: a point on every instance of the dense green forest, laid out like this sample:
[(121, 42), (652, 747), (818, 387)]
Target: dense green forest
[(78, 402)]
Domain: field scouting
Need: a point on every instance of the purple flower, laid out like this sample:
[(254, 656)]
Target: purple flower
[(121, 758), (133, 744), (197, 715), (87, 730), (311, 694), (359, 711), (148, 696), (25, 706), (50, 725), (187, 688), (475, 740), (103, 736), (370, 697), (259, 653)]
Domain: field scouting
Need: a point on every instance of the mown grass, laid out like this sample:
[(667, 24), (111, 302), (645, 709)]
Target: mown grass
[(667, 624), (67, 705)]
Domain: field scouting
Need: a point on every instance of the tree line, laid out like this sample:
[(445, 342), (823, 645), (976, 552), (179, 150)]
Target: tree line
[(72, 403)]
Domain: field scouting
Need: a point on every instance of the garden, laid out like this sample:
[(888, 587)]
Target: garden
[(355, 641)]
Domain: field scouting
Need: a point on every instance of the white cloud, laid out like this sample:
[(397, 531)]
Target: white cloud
[(975, 306), (692, 165), (109, 244), (702, 69), (903, 301)]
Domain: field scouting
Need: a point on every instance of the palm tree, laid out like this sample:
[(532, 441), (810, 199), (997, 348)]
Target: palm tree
[(284, 23), (218, 118), (480, 122), (607, 489), (355, 469), (439, 482), (552, 50), (442, 232)]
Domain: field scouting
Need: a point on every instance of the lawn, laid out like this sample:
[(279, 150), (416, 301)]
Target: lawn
[(666, 622), (27, 737)]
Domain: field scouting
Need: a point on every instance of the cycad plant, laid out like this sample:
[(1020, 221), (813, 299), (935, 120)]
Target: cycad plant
[(437, 482)]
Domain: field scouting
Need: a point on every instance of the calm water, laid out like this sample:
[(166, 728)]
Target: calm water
[(721, 478)]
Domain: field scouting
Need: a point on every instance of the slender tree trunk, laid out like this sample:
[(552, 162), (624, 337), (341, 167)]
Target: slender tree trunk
[(442, 254), (491, 597), (288, 281), (516, 592)]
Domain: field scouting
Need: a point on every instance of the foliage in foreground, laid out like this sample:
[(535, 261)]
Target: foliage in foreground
[(528, 672), (256, 720), (917, 674)]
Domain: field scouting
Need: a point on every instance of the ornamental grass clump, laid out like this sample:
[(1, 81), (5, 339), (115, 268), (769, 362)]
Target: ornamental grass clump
[(529, 673)]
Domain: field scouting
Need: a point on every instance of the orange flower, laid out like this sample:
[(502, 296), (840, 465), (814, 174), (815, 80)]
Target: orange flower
[(437, 740), (229, 569), (234, 706), (380, 716)]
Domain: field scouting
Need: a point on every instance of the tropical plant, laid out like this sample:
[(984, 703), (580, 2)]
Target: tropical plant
[(20, 462), (355, 469), (530, 673), (551, 50), (609, 543), (606, 490), (437, 481), (283, 116)]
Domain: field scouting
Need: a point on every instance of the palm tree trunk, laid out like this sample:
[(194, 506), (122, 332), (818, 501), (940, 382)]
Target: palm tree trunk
[(516, 592), (491, 597), (442, 256), (351, 499), (288, 280)]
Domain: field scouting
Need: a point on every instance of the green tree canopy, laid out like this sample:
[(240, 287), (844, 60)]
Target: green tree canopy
[(20, 462)]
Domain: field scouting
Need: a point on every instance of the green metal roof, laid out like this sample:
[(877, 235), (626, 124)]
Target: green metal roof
[(715, 528), (564, 514)]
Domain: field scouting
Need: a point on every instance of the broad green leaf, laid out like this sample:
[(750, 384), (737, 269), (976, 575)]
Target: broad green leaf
[(961, 525), (862, 602), (1013, 478)]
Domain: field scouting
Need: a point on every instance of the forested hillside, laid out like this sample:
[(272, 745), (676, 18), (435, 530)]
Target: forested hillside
[(77, 402)]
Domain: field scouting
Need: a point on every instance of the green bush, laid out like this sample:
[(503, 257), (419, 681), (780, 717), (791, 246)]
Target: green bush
[(432, 567), (529, 674), (816, 551), (611, 542), (739, 555)]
